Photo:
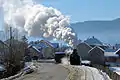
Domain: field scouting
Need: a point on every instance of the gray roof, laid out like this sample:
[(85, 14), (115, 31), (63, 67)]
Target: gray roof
[(94, 41), (44, 44), (85, 44)]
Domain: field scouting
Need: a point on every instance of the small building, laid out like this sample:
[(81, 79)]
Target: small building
[(96, 55), (83, 49)]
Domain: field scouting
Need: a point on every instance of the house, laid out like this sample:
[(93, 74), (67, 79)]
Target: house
[(96, 55), (111, 59), (49, 49), (83, 49), (35, 52), (45, 48), (114, 73), (95, 42), (48, 52)]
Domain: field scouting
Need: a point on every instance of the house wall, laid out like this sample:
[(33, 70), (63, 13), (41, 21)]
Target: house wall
[(110, 59), (96, 56), (118, 60), (48, 52), (33, 52), (83, 49)]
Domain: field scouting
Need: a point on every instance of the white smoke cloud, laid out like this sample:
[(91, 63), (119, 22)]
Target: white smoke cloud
[(37, 20)]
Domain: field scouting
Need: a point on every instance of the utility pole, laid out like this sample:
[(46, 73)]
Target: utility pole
[(10, 44), (10, 59)]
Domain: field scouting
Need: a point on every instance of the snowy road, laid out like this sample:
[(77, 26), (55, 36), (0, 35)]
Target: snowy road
[(47, 71), (51, 71)]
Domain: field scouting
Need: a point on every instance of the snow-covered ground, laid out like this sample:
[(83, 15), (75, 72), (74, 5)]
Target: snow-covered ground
[(64, 71), (85, 73)]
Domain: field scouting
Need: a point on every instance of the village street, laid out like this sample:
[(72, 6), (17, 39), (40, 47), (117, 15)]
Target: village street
[(47, 71), (52, 71)]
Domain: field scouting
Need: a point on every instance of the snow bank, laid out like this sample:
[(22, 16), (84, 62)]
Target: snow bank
[(85, 73)]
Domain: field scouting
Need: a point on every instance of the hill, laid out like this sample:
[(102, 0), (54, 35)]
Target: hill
[(107, 31)]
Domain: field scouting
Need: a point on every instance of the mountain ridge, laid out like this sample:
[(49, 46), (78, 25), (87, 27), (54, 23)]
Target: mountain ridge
[(106, 30)]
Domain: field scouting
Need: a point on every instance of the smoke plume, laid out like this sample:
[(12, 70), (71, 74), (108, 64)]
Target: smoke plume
[(37, 20)]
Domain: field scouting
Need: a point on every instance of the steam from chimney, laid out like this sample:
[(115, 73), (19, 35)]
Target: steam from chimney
[(37, 20)]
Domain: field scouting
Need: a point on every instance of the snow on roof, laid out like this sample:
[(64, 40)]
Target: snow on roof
[(55, 45), (118, 73), (49, 43), (94, 41), (109, 50), (36, 49), (85, 62), (2, 68), (112, 64), (110, 54), (29, 45), (3, 43), (117, 51), (59, 52), (96, 47), (115, 69)]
